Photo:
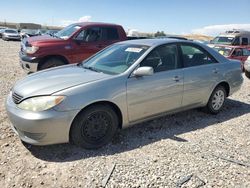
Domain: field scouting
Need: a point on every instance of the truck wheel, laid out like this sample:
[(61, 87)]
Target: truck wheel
[(52, 62), (216, 100), (94, 127), (247, 74)]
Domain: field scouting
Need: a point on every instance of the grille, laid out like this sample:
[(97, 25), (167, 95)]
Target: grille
[(16, 98)]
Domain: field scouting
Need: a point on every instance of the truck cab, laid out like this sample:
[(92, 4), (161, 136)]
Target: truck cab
[(73, 44), (234, 37)]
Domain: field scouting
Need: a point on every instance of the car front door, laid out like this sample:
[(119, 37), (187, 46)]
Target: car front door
[(201, 72), (151, 95), (87, 43)]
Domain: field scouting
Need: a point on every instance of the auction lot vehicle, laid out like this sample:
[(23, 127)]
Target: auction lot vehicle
[(29, 33), (10, 34), (72, 44), (126, 83), (234, 37), (240, 53), (247, 67), (1, 31)]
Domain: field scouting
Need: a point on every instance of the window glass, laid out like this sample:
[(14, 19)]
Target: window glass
[(89, 35), (162, 58), (194, 56), (67, 31), (110, 33), (236, 41), (246, 52), (244, 41), (237, 52), (115, 59)]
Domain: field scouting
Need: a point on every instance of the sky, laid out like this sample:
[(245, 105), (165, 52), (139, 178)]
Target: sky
[(208, 17)]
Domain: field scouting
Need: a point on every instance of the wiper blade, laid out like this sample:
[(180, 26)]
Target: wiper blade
[(91, 68)]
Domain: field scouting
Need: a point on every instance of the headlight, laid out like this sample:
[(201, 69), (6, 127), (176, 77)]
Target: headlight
[(31, 49), (37, 104)]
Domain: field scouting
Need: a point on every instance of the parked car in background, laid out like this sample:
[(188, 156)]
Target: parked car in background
[(1, 32), (42, 31), (29, 33), (233, 37), (10, 34), (240, 53), (51, 32), (247, 67), (126, 83), (72, 44)]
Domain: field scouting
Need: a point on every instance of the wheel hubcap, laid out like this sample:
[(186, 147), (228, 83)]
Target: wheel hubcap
[(218, 100), (95, 127)]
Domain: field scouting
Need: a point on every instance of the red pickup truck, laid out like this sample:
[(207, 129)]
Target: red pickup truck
[(240, 53), (72, 44)]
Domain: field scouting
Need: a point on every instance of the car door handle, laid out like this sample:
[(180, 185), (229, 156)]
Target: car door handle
[(176, 78), (215, 71)]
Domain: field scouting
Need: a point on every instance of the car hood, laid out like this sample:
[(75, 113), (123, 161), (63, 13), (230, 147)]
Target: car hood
[(43, 39), (56, 79)]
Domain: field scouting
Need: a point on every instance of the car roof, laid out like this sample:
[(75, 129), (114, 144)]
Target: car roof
[(95, 23), (153, 42)]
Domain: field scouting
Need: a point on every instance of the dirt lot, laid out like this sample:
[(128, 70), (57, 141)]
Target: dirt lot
[(188, 149)]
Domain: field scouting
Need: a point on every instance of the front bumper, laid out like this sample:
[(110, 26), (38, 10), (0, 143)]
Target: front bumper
[(40, 128), (29, 64)]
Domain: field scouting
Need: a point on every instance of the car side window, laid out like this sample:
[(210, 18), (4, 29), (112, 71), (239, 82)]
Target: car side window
[(194, 56), (162, 58), (237, 52), (109, 33), (89, 35), (246, 52), (244, 41)]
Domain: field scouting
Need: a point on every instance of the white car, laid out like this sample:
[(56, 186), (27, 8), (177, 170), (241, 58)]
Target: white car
[(247, 67)]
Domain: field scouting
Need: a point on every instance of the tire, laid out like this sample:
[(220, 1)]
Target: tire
[(216, 100), (94, 127), (247, 74), (50, 63)]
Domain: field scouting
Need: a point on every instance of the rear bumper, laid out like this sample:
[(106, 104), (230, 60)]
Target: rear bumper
[(40, 128), (29, 64)]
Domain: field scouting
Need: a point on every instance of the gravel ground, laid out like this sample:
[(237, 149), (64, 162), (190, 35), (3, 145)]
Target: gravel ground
[(188, 149)]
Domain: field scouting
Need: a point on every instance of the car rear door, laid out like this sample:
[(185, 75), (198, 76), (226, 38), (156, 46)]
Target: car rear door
[(201, 73), (151, 95)]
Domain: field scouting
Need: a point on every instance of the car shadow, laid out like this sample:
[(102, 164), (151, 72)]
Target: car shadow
[(167, 127)]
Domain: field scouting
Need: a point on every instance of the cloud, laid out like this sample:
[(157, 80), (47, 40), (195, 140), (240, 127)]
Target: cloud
[(85, 19), (82, 19), (217, 29)]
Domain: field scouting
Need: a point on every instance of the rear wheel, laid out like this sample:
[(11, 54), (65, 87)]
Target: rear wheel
[(216, 100), (52, 62), (94, 127)]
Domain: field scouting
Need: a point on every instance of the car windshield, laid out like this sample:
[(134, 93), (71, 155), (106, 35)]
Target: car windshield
[(29, 31), (223, 50), (10, 31), (67, 31), (222, 40), (115, 59)]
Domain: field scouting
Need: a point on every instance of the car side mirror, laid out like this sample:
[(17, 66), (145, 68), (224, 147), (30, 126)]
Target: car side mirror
[(143, 71)]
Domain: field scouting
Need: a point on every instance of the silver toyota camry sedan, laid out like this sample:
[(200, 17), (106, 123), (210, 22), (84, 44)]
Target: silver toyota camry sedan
[(124, 84)]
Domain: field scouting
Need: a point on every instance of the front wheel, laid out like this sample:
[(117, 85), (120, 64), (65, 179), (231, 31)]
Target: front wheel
[(216, 100), (52, 62), (94, 127)]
